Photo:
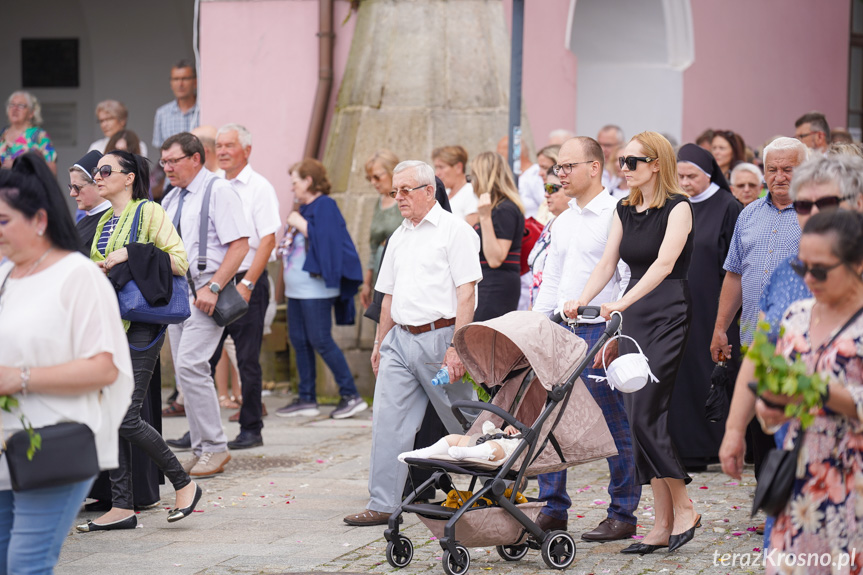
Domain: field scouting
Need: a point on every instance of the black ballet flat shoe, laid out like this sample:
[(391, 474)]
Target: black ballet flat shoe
[(128, 523), (675, 542), (177, 514), (641, 549)]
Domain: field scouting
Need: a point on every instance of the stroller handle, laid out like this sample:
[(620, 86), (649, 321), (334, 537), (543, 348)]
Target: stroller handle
[(584, 311)]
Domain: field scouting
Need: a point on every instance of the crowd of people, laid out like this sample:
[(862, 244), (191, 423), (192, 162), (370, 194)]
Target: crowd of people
[(694, 244)]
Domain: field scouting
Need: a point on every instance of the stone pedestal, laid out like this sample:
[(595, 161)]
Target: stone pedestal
[(421, 74)]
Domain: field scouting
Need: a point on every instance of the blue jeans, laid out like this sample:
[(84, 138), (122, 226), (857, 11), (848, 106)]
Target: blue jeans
[(310, 327), (34, 524)]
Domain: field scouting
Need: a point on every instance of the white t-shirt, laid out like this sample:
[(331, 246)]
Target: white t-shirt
[(424, 264), (261, 207), (531, 190), (66, 312), (463, 203)]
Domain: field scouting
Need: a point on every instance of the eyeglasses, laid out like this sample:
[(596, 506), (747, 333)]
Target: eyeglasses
[(375, 177), (183, 79), (77, 189), (552, 189), (566, 169), (172, 161), (405, 191), (807, 134), (747, 186), (804, 207), (818, 273), (106, 171), (631, 162), (13, 105)]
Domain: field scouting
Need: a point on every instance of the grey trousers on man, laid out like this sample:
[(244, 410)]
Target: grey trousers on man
[(193, 343), (402, 391)]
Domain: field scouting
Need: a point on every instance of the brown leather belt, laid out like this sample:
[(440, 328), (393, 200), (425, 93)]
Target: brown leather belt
[(439, 324)]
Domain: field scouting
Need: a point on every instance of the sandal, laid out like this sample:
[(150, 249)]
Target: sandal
[(228, 402), (174, 410)]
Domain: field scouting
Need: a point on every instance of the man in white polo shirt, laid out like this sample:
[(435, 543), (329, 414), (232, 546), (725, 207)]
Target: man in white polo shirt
[(428, 277)]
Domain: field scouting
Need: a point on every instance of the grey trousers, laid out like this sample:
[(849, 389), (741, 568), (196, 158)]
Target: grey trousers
[(193, 343), (402, 391)]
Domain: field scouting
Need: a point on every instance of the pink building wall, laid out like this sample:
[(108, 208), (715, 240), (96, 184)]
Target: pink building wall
[(259, 68), (761, 65)]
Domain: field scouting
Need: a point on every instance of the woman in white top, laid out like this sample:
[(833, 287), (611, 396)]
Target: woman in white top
[(449, 165), (63, 355)]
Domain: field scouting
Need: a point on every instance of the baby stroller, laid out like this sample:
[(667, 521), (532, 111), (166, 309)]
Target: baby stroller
[(537, 365)]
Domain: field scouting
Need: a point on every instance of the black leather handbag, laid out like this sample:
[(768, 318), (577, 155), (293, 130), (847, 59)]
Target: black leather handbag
[(67, 455), (777, 479), (230, 306)]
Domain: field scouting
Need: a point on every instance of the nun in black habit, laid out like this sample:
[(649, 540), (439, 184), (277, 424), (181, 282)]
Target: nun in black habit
[(715, 211)]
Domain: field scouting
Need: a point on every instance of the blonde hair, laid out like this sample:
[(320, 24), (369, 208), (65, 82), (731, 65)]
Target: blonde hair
[(655, 145), (490, 174), (550, 152), (385, 158)]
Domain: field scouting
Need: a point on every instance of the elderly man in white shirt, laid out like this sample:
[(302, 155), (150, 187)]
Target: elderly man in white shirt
[(428, 277), (578, 240), (194, 341)]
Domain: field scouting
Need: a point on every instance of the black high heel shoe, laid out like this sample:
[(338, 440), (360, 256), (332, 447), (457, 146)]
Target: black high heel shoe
[(641, 549), (127, 523), (177, 514), (677, 541)]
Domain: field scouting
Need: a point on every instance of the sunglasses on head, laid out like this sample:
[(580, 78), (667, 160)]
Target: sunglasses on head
[(631, 162), (552, 188), (804, 207), (818, 273), (105, 171)]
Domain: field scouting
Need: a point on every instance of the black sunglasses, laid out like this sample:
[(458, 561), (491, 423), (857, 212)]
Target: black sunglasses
[(106, 170), (552, 188), (818, 273), (631, 162), (804, 207)]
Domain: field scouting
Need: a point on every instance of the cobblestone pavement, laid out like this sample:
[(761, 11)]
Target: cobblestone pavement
[(279, 509)]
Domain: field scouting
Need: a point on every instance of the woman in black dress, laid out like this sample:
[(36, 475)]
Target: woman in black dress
[(500, 228), (652, 232)]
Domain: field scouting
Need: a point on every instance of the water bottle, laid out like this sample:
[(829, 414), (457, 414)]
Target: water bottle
[(441, 378)]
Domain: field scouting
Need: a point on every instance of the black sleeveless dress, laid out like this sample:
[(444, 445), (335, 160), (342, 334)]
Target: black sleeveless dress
[(659, 322)]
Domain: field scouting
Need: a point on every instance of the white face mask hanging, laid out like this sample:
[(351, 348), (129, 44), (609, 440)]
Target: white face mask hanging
[(628, 373)]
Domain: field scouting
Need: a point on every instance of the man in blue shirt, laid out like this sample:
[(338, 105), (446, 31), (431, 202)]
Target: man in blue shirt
[(181, 114)]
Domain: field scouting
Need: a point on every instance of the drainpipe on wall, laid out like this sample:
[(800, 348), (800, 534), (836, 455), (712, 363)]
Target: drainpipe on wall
[(325, 79)]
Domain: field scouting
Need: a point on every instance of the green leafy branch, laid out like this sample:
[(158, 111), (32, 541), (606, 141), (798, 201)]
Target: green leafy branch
[(777, 375), (481, 393), (8, 403)]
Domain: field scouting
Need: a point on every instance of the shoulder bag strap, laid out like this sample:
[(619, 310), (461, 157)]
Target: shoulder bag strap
[(202, 236), (134, 233)]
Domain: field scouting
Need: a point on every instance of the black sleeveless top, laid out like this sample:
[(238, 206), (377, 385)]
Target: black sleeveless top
[(643, 234)]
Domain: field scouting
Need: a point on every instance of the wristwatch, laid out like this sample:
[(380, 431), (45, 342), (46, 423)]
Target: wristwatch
[(249, 285), (215, 288)]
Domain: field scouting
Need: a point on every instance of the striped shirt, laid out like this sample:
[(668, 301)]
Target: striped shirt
[(764, 237), (102, 244)]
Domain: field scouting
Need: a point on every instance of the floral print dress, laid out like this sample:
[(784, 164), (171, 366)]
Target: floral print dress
[(824, 515), (33, 138)]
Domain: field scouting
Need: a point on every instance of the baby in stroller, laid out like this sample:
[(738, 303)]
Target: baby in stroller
[(490, 445)]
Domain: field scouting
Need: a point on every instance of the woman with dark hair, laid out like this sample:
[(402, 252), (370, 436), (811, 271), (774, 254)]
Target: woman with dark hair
[(123, 179), (125, 140), (322, 272), (825, 511), (652, 233), (63, 355), (729, 150), (500, 228)]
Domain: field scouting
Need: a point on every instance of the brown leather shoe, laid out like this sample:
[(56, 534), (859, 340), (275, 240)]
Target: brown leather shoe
[(610, 530), (549, 523), (174, 410), (368, 518), (236, 416)]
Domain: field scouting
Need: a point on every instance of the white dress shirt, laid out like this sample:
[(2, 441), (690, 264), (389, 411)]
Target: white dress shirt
[(227, 221), (531, 190), (578, 241), (424, 264), (261, 207)]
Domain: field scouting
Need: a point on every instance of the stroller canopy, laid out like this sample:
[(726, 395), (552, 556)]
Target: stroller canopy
[(491, 350)]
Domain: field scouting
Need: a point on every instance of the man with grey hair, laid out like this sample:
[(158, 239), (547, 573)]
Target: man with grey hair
[(427, 277), (812, 130), (746, 182), (765, 235), (559, 136), (610, 137)]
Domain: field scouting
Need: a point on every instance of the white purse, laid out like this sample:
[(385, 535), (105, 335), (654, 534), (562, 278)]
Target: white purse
[(628, 373)]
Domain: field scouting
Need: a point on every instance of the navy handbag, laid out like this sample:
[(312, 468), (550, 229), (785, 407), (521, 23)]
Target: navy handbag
[(134, 307)]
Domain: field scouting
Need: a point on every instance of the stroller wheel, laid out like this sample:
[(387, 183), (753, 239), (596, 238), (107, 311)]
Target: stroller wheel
[(400, 552), (558, 550), (451, 565), (512, 552)]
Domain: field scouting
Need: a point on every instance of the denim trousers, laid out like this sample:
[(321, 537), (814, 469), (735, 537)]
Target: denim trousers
[(34, 524), (310, 329), (135, 430)]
